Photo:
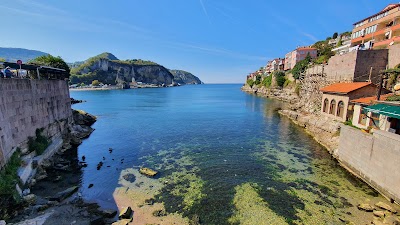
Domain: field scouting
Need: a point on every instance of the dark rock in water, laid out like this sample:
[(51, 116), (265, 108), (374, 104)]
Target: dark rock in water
[(126, 213), (365, 207), (159, 213), (64, 194), (129, 177), (83, 118), (110, 150), (30, 199), (97, 221), (104, 158), (385, 207), (83, 158), (149, 201), (109, 213), (90, 185)]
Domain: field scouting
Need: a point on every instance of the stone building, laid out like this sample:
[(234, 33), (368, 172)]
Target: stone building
[(336, 98)]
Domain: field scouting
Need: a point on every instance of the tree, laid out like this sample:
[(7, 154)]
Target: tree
[(335, 35), (49, 60), (95, 83), (280, 78), (301, 66)]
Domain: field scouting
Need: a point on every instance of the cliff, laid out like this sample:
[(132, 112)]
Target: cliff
[(108, 69), (183, 77)]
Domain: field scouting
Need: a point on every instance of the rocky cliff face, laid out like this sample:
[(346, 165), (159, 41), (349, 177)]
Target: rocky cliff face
[(183, 77), (109, 70)]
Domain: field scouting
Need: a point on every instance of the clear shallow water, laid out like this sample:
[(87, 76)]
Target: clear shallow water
[(229, 157)]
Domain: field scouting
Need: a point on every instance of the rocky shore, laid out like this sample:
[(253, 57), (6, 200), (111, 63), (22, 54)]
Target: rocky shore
[(52, 196), (324, 130)]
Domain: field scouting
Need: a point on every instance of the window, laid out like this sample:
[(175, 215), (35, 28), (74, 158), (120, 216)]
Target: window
[(333, 107), (363, 117), (340, 110), (374, 120), (325, 107)]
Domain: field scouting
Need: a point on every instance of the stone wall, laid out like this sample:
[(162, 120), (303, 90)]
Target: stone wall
[(374, 158), (27, 105), (394, 56), (353, 66)]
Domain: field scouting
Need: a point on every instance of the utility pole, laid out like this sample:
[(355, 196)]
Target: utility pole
[(370, 74), (378, 97)]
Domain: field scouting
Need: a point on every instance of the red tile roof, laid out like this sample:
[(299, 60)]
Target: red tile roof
[(344, 88), (370, 100)]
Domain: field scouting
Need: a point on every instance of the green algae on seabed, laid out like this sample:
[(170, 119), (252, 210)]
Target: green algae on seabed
[(251, 208), (327, 190)]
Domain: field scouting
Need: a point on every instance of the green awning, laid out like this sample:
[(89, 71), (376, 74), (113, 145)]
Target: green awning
[(392, 111)]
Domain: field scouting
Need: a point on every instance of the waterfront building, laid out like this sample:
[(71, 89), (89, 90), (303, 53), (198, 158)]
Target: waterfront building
[(300, 53), (336, 98), (379, 30), (381, 115)]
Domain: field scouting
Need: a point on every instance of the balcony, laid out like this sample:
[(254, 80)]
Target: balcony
[(385, 43), (376, 33)]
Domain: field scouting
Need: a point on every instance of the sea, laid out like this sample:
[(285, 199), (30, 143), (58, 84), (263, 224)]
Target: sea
[(222, 156)]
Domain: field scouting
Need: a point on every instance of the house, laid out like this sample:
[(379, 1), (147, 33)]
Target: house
[(336, 98), (277, 65), (341, 44), (379, 30), (292, 58), (380, 115)]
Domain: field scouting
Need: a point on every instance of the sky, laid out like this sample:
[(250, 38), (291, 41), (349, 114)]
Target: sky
[(220, 41)]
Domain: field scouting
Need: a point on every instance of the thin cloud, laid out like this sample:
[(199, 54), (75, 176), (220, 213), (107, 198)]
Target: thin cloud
[(310, 36), (205, 10), (216, 51)]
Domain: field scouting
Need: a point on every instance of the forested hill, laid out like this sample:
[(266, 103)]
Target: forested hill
[(14, 54)]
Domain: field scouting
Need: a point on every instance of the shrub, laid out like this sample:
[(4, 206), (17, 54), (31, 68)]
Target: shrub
[(393, 98), (280, 78), (250, 82), (39, 143), (95, 83), (267, 81), (258, 80), (287, 82), (9, 177)]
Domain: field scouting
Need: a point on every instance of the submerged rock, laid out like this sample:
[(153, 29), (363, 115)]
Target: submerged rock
[(109, 213), (366, 207), (148, 172), (385, 207), (60, 196), (129, 177), (126, 213), (380, 214)]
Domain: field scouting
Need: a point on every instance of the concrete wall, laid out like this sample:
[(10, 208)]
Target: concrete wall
[(394, 56), (26, 105), (353, 66), (374, 158)]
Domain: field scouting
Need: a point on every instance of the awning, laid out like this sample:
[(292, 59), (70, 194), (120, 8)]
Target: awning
[(392, 111)]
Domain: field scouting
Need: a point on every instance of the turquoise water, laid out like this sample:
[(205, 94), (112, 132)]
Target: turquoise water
[(224, 152)]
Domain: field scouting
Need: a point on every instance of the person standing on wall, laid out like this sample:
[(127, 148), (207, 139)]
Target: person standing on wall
[(7, 72)]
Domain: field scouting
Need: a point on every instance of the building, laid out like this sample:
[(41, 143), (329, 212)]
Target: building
[(276, 65), (336, 98), (379, 30), (365, 119), (297, 55), (341, 44)]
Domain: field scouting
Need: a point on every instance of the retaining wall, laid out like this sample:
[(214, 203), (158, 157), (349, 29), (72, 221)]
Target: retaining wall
[(27, 105), (374, 158)]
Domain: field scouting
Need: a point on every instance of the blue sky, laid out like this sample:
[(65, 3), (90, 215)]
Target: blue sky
[(220, 41)]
